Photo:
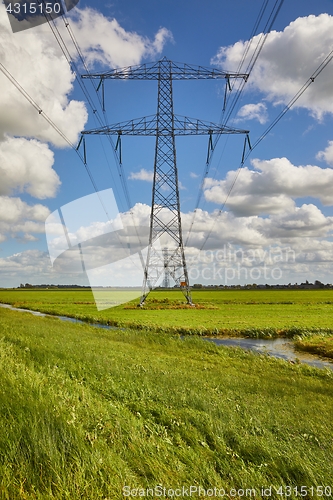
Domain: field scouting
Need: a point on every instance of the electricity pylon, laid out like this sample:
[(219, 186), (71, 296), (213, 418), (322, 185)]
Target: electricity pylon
[(165, 220), (166, 281)]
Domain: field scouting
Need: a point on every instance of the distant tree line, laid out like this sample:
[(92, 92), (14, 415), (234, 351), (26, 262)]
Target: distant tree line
[(29, 285)]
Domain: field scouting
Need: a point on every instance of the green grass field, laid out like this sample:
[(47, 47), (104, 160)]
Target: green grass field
[(86, 411), (305, 314)]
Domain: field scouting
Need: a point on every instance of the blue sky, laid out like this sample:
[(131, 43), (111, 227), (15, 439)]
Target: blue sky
[(283, 196)]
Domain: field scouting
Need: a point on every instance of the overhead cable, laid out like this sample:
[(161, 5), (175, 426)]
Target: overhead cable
[(269, 24), (301, 91), (42, 113), (62, 44)]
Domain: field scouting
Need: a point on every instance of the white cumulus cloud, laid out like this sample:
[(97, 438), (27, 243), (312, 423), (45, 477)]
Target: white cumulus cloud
[(26, 165), (253, 112), (327, 154), (142, 175), (103, 40), (287, 60), (35, 61), (293, 244), (271, 187), (37, 64), (21, 220)]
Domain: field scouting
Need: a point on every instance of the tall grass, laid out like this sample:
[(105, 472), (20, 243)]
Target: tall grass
[(268, 311), (251, 313), (84, 412)]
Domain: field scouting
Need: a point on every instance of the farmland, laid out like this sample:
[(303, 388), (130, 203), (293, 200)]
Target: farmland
[(87, 411), (305, 315)]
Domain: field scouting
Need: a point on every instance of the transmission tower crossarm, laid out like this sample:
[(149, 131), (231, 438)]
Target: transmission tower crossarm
[(148, 126), (179, 71), (138, 126), (193, 126)]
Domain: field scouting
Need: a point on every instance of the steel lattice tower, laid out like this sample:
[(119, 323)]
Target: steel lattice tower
[(166, 281), (165, 219)]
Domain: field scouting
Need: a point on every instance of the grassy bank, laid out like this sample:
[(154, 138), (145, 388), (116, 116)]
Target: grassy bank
[(319, 344), (85, 412), (252, 313)]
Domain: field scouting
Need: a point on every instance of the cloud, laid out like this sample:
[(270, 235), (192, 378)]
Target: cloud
[(17, 217), (327, 154), (20, 53), (37, 63), (281, 248), (271, 187), (300, 222), (14, 210), (24, 260), (32, 266), (294, 243), (222, 229), (104, 41), (148, 176), (26, 166), (142, 175), (253, 112), (287, 60), (26, 162), (101, 40)]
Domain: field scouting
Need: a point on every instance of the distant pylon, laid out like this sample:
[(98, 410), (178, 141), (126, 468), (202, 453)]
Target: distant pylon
[(166, 281), (165, 219)]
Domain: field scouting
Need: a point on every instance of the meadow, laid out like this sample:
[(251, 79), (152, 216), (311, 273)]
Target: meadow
[(85, 412), (303, 315)]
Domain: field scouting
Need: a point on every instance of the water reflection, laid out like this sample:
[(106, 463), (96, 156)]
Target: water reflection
[(279, 348)]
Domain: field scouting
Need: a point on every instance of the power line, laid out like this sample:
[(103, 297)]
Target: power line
[(102, 105), (301, 91), (118, 157), (33, 103), (268, 26), (42, 113), (36, 106), (71, 62), (62, 44), (256, 53)]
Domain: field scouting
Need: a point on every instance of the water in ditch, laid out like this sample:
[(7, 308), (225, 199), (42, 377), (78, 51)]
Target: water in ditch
[(279, 348)]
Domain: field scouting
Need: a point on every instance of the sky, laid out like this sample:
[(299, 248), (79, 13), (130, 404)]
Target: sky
[(270, 221)]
